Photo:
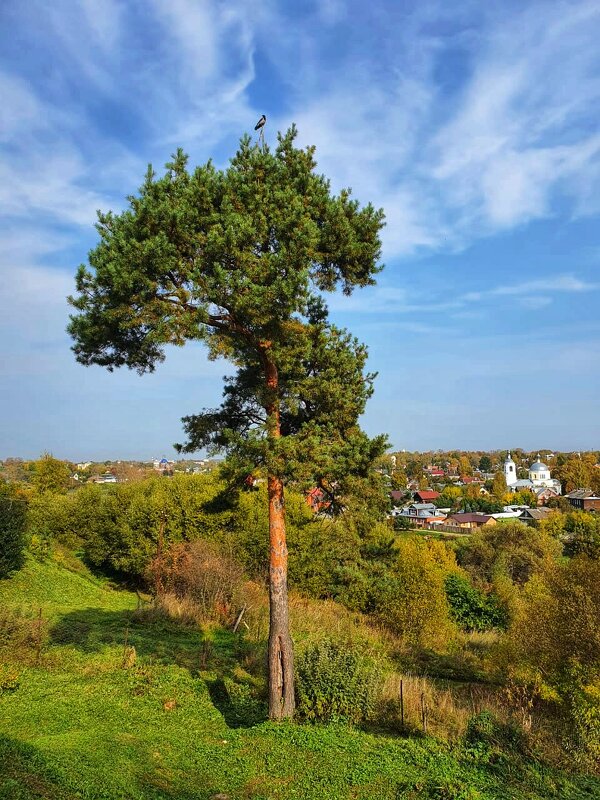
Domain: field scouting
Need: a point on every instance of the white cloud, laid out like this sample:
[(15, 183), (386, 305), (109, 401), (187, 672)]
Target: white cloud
[(533, 303), (19, 109), (516, 135), (523, 132), (553, 283), (389, 300), (513, 135), (204, 71), (533, 295)]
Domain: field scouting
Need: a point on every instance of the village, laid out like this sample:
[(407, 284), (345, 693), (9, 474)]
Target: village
[(418, 507)]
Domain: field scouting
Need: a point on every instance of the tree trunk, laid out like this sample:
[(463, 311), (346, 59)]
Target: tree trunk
[(281, 651)]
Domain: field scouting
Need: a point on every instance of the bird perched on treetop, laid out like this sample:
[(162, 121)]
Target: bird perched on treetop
[(260, 123)]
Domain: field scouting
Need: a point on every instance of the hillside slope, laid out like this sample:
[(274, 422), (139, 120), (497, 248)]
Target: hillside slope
[(85, 718)]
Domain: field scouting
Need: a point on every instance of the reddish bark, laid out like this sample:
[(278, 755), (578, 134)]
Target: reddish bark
[(281, 652)]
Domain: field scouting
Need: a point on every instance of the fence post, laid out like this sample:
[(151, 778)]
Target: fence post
[(38, 644), (424, 713), (402, 702)]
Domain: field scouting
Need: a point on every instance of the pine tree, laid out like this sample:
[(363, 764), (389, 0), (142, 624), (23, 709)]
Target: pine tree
[(239, 259)]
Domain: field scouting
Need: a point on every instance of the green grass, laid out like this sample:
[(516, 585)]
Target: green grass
[(60, 584), (80, 725)]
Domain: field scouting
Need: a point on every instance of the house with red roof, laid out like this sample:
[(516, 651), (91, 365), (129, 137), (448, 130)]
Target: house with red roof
[(433, 471), (423, 496)]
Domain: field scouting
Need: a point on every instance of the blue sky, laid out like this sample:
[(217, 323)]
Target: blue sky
[(475, 125)]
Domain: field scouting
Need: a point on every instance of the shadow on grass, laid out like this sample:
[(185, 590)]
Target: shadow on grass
[(25, 775), (239, 704), (165, 641)]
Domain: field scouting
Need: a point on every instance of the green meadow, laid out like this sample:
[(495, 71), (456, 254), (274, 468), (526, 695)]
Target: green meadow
[(83, 715)]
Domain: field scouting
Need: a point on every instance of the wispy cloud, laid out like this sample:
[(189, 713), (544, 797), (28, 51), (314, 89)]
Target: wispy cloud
[(514, 138), (391, 300), (401, 301), (551, 284)]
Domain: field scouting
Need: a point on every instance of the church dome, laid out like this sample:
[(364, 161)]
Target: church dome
[(538, 466)]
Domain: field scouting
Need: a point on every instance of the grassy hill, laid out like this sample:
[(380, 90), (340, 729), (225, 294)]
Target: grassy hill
[(82, 716)]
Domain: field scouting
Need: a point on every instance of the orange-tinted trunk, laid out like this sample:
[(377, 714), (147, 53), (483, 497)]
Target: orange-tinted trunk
[(281, 651)]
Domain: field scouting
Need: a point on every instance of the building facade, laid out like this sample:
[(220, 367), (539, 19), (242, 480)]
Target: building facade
[(539, 477)]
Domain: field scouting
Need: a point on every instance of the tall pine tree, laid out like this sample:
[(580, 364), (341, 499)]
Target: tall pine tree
[(238, 259)]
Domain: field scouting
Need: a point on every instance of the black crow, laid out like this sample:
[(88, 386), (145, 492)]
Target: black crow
[(260, 124)]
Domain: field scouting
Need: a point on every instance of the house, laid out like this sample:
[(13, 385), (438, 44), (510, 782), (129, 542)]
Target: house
[(106, 477), (544, 493), (423, 496), (162, 465), (584, 500), (434, 472), (397, 496), (421, 514), (532, 515), (470, 520)]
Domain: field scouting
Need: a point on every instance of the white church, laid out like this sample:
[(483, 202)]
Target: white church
[(539, 482)]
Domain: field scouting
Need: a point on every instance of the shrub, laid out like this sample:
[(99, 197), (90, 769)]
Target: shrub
[(581, 694), (51, 475), (582, 534), (12, 530), (508, 550), (487, 734), (122, 526), (334, 681), (50, 518), (411, 598), (554, 644), (472, 609), (199, 572), (10, 678)]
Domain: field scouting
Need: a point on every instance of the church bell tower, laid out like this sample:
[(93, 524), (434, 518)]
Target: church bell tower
[(510, 470)]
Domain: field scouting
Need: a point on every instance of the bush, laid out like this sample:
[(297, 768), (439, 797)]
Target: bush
[(334, 681), (12, 530), (200, 573), (10, 678), (509, 550), (50, 519), (487, 733), (581, 696), (122, 526), (411, 598), (582, 534), (472, 609), (554, 644)]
